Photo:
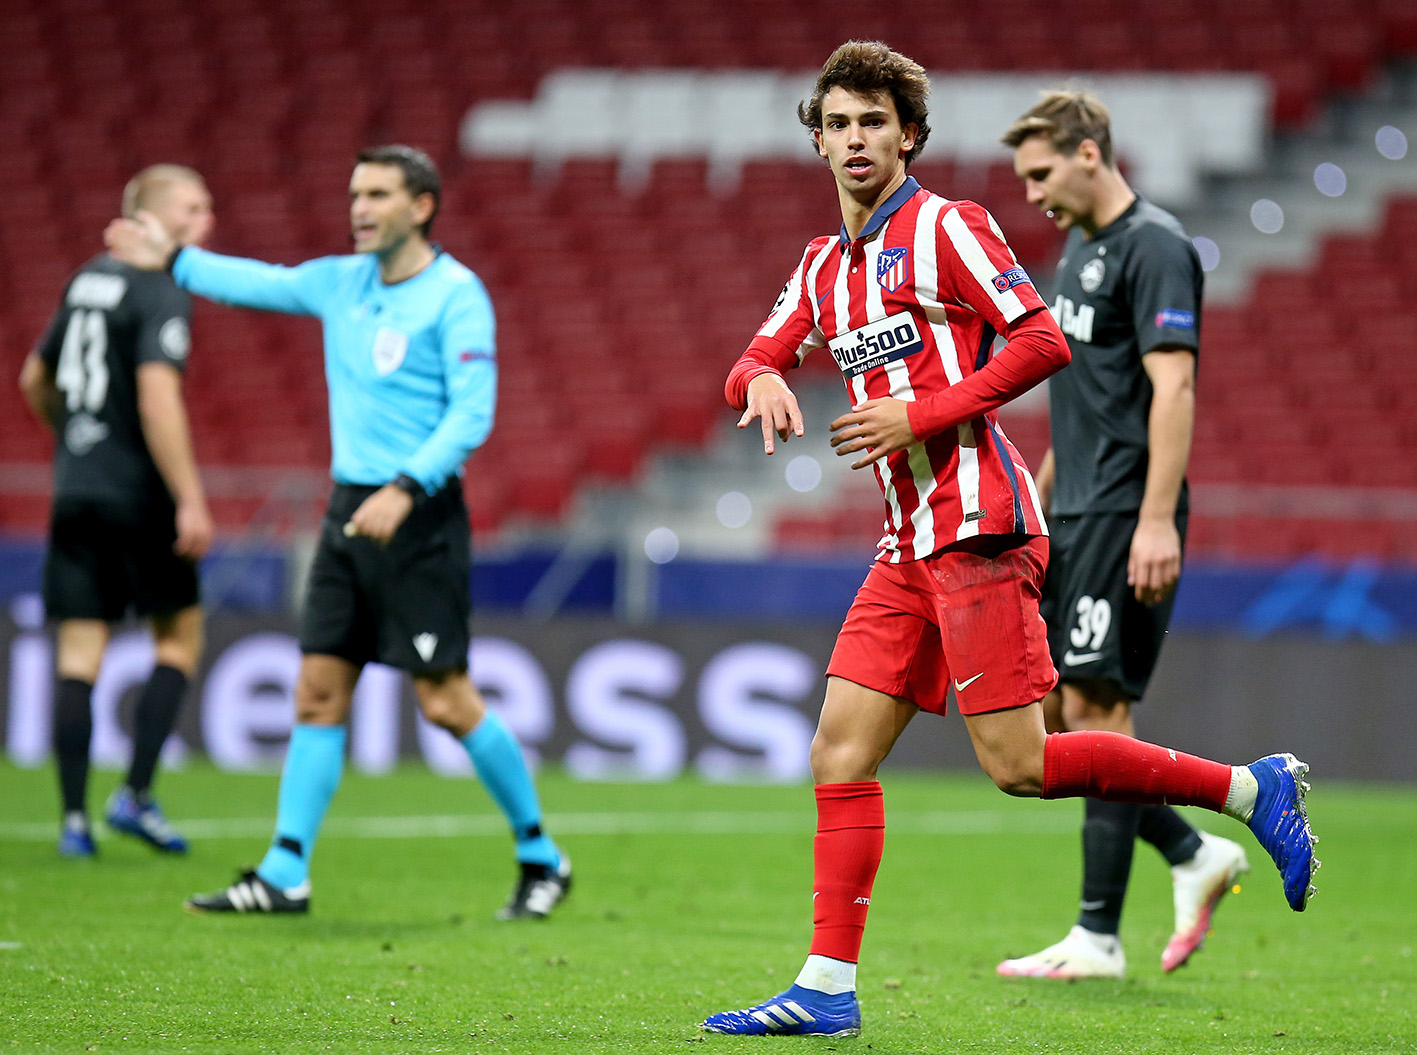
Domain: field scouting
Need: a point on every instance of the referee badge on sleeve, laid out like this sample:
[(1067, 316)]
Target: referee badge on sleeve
[(390, 347)]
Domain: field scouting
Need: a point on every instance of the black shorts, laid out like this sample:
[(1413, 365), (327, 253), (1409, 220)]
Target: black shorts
[(103, 562), (407, 604), (1096, 626)]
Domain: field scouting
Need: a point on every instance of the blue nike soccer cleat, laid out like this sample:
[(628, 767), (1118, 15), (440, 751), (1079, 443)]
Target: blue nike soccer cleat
[(1281, 824), (126, 814), (798, 1012), (76, 842)]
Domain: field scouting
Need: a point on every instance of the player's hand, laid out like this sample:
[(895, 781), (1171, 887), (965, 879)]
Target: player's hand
[(380, 515), (880, 426), (1154, 565), (1043, 481), (195, 529), (770, 400), (142, 241)]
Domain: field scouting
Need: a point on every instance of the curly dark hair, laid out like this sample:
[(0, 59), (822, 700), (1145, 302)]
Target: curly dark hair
[(868, 67)]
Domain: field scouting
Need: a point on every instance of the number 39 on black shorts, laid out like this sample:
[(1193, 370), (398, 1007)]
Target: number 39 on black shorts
[(1096, 626)]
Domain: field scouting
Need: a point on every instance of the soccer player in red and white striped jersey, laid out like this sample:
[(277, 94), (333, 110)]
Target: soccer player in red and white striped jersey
[(909, 298)]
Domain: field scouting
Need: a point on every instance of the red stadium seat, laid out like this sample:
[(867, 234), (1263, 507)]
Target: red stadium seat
[(646, 295)]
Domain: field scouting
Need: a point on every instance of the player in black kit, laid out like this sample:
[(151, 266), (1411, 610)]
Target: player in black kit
[(1113, 483), (130, 518)]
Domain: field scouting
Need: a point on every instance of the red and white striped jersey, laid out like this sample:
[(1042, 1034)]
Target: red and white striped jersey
[(908, 310)]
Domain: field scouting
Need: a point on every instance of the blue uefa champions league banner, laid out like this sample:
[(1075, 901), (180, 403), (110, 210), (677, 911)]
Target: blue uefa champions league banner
[(607, 700), (1358, 600), (601, 699)]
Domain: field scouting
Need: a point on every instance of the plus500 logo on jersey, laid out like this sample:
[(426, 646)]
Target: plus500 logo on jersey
[(876, 343)]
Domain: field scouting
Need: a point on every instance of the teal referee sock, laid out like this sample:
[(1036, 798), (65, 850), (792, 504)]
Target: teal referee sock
[(314, 763), (497, 757)]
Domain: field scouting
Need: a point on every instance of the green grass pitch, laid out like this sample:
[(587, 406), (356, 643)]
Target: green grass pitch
[(689, 898)]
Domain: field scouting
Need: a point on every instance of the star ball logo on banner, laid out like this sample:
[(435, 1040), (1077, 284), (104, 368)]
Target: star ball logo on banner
[(1176, 319), (893, 268), (1007, 280)]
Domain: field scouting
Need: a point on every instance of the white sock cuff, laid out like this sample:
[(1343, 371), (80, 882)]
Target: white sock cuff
[(1107, 944), (827, 975), (1240, 800)]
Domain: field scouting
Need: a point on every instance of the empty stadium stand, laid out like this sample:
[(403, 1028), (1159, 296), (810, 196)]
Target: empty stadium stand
[(620, 311)]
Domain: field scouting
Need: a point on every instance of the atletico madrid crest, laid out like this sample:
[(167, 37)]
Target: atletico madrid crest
[(893, 268)]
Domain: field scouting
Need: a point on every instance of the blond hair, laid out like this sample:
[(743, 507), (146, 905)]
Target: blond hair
[(1065, 117), (146, 189)]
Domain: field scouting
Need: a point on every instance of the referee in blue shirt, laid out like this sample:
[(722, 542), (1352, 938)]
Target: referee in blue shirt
[(411, 370)]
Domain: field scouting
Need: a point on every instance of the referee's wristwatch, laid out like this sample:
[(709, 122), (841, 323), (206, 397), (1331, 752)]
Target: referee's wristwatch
[(411, 487)]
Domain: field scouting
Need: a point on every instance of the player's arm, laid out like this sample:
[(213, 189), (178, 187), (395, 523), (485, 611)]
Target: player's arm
[(40, 392), (1163, 280), (162, 341), (467, 339), (163, 416), (38, 374), (755, 384), (145, 243), (1154, 564)]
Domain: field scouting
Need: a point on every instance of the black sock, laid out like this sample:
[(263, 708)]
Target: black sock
[(1164, 829), (73, 728), (153, 719), (1109, 833)]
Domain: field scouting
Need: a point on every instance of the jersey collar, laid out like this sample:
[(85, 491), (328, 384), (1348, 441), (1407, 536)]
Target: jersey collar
[(884, 212), (1120, 222)]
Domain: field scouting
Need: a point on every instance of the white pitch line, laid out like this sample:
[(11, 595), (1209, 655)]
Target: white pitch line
[(923, 822)]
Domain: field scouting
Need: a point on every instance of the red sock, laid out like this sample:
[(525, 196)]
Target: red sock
[(1117, 768), (851, 832)]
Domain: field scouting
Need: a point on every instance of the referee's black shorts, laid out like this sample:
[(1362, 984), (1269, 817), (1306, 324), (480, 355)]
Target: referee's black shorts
[(104, 561), (1096, 626), (407, 604)]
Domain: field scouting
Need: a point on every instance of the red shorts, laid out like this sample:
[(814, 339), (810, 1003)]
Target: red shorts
[(970, 614)]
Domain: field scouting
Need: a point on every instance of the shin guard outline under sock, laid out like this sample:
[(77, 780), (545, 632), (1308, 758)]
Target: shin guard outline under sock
[(851, 831), (1117, 768), (500, 766), (73, 729), (1109, 836), (153, 719)]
